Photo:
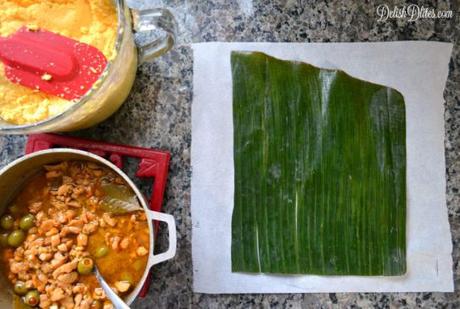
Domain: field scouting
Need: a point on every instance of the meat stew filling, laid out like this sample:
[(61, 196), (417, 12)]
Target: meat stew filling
[(60, 224)]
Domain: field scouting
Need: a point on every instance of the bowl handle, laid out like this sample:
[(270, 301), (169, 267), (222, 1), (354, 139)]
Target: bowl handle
[(150, 20), (171, 252)]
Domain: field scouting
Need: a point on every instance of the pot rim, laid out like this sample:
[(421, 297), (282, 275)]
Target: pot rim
[(149, 213)]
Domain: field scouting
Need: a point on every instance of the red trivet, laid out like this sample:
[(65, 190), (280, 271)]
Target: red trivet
[(153, 164)]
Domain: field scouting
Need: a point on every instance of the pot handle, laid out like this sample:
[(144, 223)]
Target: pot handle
[(171, 252), (149, 20)]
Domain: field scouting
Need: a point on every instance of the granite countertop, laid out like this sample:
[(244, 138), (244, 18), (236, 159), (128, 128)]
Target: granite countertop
[(157, 114)]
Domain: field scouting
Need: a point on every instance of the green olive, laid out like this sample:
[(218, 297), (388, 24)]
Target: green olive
[(96, 304), (4, 240), (125, 276), (138, 265), (14, 209), (18, 303), (7, 222), (20, 288), (16, 238), (27, 222), (32, 298), (85, 266), (24, 306), (101, 251)]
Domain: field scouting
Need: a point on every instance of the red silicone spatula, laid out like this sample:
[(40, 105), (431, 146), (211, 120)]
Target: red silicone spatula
[(51, 63)]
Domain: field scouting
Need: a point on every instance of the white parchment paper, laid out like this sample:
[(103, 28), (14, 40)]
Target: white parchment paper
[(418, 70)]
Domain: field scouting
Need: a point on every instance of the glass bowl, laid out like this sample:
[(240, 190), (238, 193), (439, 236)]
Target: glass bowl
[(114, 84)]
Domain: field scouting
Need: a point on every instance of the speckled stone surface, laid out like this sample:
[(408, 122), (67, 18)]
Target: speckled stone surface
[(157, 114)]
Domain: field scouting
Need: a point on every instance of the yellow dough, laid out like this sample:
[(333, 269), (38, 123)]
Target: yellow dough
[(89, 21)]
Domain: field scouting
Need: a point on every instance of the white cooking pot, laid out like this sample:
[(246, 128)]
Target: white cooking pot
[(17, 173)]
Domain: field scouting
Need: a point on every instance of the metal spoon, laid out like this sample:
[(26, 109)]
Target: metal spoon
[(117, 302), (118, 199)]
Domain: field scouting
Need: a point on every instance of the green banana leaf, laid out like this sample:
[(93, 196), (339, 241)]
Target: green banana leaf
[(320, 171)]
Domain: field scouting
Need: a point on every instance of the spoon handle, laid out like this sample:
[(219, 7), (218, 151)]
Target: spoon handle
[(117, 302)]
